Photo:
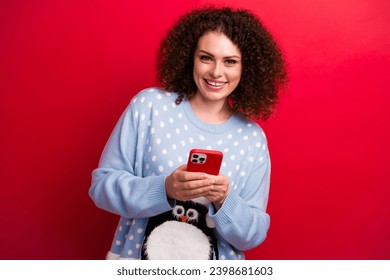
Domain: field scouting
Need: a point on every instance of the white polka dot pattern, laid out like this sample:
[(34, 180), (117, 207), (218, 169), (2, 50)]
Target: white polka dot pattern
[(166, 132)]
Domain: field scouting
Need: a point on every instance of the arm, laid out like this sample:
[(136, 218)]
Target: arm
[(242, 219), (115, 187)]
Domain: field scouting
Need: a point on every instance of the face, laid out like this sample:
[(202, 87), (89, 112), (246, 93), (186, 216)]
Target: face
[(217, 66)]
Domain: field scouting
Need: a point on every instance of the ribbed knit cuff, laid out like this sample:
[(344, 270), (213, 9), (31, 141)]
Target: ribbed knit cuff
[(157, 195), (224, 214)]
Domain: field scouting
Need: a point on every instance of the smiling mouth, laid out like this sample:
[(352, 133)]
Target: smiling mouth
[(215, 84)]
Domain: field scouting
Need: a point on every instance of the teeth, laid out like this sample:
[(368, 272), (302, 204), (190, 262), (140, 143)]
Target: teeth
[(215, 84)]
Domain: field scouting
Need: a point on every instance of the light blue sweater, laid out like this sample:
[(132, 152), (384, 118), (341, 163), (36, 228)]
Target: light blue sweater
[(152, 138)]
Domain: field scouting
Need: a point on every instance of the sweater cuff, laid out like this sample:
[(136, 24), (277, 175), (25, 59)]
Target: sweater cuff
[(157, 197), (223, 215)]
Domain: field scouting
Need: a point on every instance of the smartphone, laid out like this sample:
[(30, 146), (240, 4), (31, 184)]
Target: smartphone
[(207, 161)]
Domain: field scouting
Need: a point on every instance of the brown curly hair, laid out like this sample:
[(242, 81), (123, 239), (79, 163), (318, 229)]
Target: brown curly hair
[(263, 65)]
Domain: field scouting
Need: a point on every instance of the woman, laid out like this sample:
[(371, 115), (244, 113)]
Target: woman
[(219, 68)]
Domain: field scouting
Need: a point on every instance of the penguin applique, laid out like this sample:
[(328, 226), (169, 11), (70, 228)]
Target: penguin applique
[(185, 233)]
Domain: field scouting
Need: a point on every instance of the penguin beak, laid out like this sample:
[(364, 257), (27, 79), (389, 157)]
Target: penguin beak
[(184, 219)]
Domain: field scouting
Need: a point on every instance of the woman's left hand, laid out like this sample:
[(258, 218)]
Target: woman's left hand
[(219, 191)]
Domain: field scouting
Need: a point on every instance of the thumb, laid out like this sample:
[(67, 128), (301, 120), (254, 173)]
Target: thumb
[(182, 167)]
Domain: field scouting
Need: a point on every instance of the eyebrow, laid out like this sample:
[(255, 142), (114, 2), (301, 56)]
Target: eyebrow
[(226, 57)]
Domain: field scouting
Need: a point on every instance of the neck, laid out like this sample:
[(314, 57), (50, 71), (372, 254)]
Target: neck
[(211, 112)]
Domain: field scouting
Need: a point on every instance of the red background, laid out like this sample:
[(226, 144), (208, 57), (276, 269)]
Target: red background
[(69, 68)]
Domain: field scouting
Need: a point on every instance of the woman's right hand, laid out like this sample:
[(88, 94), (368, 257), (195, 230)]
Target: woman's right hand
[(184, 185)]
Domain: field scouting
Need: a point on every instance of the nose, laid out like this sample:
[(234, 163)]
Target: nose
[(216, 70), (184, 219)]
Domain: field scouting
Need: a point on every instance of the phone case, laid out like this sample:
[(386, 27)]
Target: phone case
[(208, 161)]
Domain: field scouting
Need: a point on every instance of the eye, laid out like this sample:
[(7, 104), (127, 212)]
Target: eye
[(206, 58), (192, 215), (178, 211), (230, 61)]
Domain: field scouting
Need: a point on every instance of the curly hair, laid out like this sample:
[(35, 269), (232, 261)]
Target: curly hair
[(263, 65)]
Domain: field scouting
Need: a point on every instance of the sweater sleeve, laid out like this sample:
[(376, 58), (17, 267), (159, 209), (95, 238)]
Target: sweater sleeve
[(242, 220), (115, 186)]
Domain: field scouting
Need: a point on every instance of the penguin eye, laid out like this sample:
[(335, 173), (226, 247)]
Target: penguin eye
[(178, 211), (192, 215)]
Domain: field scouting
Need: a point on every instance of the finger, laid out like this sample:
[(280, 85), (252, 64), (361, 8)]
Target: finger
[(218, 191), (215, 197), (183, 175), (192, 193), (198, 184), (191, 176), (221, 180), (182, 167)]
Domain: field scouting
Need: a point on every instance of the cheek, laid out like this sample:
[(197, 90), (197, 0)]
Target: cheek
[(235, 76), (199, 69)]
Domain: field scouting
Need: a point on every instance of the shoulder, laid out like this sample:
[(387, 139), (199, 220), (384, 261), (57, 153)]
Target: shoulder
[(249, 127), (251, 135), (152, 102), (151, 96)]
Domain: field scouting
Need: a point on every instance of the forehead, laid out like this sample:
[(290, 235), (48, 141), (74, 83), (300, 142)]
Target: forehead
[(217, 43)]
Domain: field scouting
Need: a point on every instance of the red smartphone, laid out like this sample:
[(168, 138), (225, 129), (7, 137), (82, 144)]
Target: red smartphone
[(207, 161)]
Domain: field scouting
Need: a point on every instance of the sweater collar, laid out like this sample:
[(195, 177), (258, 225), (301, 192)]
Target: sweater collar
[(229, 124)]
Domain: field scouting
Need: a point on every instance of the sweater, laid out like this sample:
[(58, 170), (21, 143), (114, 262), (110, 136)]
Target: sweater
[(151, 139)]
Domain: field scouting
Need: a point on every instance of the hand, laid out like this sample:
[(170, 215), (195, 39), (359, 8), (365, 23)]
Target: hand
[(183, 185), (220, 190)]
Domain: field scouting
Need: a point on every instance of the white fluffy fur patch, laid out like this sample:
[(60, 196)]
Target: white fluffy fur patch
[(175, 240)]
